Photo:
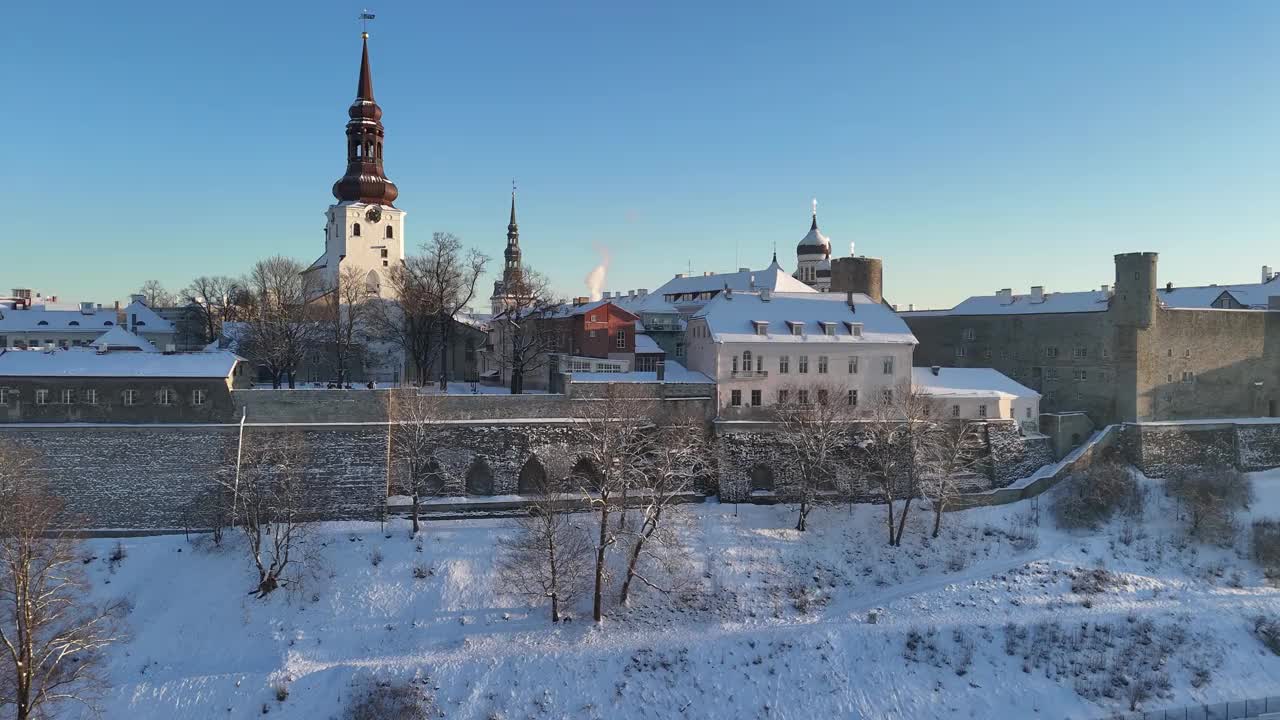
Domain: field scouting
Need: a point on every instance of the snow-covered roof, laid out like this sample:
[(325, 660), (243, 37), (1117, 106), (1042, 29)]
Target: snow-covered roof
[(1058, 302), (968, 382), (653, 303), (41, 318), (84, 362), (734, 318), (646, 344), (675, 373), (1250, 295), (117, 338), (771, 278)]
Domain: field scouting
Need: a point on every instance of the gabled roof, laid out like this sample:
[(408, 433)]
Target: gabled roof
[(1058, 302), (731, 318), (85, 362), (117, 338), (771, 278), (967, 382), (1250, 295)]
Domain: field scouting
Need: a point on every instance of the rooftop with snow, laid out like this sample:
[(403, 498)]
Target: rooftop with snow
[(802, 317), (967, 382)]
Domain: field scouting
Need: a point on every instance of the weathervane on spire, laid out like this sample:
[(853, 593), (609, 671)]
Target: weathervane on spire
[(815, 206), (513, 186), (365, 17)]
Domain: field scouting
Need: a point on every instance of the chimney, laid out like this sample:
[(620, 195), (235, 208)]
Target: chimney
[(936, 370), (1168, 287), (138, 299), (86, 308), (911, 306), (661, 367), (1037, 293), (170, 349), (1266, 273), (1005, 295), (744, 269), (605, 295), (631, 293), (1106, 291), (848, 298), (642, 292), (679, 275), (728, 293)]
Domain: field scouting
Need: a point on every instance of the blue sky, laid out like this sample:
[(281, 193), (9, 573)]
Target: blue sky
[(971, 145)]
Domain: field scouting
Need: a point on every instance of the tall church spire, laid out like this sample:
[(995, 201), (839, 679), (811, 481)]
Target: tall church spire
[(365, 181), (511, 270)]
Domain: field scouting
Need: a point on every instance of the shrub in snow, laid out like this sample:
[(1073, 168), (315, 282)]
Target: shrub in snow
[(421, 572), (1210, 498), (1094, 581), (1090, 500), (117, 556), (1266, 545), (375, 558), (383, 700), (282, 691), (1267, 630)]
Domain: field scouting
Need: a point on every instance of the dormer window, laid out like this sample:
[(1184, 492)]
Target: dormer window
[(855, 329), (761, 326), (43, 322), (108, 324), (828, 328), (74, 323), (797, 327)]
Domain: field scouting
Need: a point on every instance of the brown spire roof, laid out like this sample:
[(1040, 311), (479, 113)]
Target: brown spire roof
[(365, 181)]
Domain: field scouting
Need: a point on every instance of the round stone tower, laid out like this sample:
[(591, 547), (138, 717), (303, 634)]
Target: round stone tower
[(860, 275), (1135, 300)]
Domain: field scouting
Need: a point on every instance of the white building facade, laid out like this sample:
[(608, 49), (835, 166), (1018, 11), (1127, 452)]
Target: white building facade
[(765, 348)]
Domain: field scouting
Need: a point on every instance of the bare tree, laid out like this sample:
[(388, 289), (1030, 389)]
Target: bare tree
[(155, 295), (426, 295), (283, 331), (677, 453), (51, 636), (269, 504), (345, 316), (1210, 497), (613, 447), (950, 450), (523, 335), (813, 427), (211, 301), (890, 439), (416, 437), (549, 557)]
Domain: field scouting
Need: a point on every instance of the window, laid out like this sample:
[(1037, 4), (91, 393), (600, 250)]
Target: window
[(390, 233), (591, 333), (42, 397), (756, 400), (735, 363), (822, 396), (961, 351), (1080, 352), (853, 364), (679, 349), (782, 397), (982, 411), (855, 329), (804, 364), (1079, 375), (762, 328), (784, 364), (888, 365), (828, 329), (760, 363), (955, 411), (1028, 413), (746, 360), (802, 397), (1051, 373), (1188, 376), (592, 318), (622, 339), (797, 328), (1051, 351), (968, 334), (166, 397), (851, 398), (384, 250), (887, 396), (1186, 353), (355, 230), (1051, 395), (822, 364), (4, 396), (130, 397), (197, 397), (735, 398), (986, 353), (68, 396), (91, 397)]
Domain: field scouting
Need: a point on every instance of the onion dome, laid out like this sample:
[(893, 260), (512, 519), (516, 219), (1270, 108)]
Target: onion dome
[(364, 180), (815, 243)]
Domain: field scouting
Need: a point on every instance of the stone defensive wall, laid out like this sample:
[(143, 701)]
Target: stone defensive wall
[(1160, 449)]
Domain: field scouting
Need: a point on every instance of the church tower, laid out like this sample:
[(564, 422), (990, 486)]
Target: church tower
[(813, 257), (363, 229), (511, 272)]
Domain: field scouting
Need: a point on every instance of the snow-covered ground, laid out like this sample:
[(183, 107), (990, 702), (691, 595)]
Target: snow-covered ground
[(767, 623)]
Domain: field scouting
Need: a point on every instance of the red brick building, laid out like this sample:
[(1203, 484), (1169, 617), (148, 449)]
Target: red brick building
[(598, 329)]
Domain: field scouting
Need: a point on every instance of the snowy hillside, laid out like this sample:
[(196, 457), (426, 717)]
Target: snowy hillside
[(769, 623)]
